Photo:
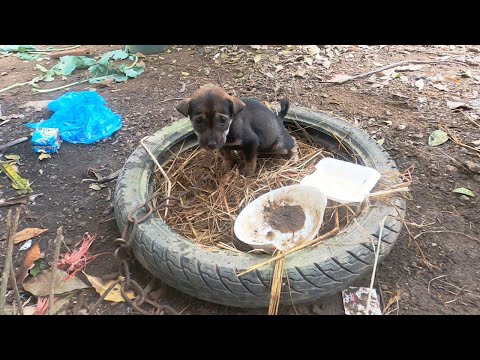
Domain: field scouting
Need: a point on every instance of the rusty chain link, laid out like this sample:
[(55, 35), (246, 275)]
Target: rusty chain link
[(123, 254)]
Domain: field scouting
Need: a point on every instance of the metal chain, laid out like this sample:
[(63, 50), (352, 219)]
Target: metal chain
[(123, 254)]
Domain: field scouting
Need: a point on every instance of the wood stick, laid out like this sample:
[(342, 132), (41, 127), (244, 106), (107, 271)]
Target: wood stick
[(296, 248), (58, 242), (11, 230), (15, 289), (12, 143), (75, 52), (386, 67)]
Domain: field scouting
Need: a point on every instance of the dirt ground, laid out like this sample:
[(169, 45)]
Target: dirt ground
[(433, 268)]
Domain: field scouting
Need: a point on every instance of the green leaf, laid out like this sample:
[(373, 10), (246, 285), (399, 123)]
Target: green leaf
[(117, 77), (69, 63), (381, 141), (116, 55), (98, 70), (134, 72), (40, 265), (16, 48), (438, 137), (41, 68), (27, 57), (464, 191)]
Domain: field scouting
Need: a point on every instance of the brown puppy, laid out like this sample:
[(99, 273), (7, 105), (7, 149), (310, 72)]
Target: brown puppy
[(224, 122)]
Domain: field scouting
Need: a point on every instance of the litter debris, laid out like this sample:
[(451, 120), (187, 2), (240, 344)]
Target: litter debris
[(114, 294), (342, 181), (46, 141), (26, 246), (355, 301), (437, 137), (81, 118)]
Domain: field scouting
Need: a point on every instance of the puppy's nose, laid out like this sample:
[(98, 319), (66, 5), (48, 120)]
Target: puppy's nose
[(212, 144)]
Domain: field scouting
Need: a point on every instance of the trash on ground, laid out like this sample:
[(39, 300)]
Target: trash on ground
[(46, 141), (355, 301), (342, 181), (26, 246), (81, 118)]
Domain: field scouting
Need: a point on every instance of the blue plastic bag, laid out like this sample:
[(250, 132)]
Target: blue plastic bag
[(81, 118)]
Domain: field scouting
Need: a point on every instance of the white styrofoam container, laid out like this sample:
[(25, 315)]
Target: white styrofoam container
[(342, 181)]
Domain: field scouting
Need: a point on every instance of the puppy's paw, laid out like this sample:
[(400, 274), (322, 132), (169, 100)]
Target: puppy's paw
[(246, 170), (228, 164)]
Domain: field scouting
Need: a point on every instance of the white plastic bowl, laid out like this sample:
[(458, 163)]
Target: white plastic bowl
[(342, 181), (253, 227)]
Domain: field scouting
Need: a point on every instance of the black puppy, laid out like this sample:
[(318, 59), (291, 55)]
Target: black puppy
[(224, 122)]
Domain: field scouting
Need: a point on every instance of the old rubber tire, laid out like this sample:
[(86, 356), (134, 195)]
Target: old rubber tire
[(211, 276)]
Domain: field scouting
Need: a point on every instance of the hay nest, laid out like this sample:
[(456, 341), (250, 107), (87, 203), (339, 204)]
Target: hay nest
[(219, 196)]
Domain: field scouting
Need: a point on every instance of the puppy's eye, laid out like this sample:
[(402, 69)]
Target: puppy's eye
[(223, 120), (199, 121)]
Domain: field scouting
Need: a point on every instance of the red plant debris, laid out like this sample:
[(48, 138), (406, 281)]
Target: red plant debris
[(78, 258), (42, 305)]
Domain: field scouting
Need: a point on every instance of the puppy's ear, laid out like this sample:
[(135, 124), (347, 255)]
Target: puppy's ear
[(237, 105), (183, 106)]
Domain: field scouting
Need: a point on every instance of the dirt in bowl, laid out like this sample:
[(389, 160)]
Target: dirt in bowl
[(284, 218)]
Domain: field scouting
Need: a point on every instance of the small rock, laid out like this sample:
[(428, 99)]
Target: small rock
[(451, 168), (472, 166), (389, 113), (3, 73), (77, 210), (464, 198), (405, 296), (417, 136), (401, 127), (127, 98)]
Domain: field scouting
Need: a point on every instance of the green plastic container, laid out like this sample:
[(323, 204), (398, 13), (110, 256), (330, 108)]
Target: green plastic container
[(147, 49)]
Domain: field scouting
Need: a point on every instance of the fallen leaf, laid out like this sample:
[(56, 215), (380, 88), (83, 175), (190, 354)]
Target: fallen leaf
[(438, 137), (44, 156), (408, 68), (185, 73), (257, 58), (300, 72), (29, 262), (339, 78), (464, 191), (457, 105), (420, 84), (18, 183), (96, 187), (26, 246), (15, 158), (101, 286), (39, 285), (440, 87), (381, 141), (27, 233)]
